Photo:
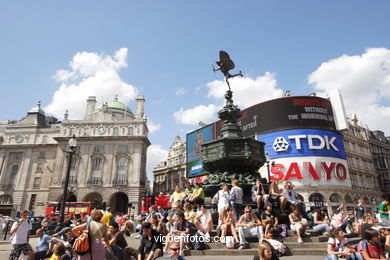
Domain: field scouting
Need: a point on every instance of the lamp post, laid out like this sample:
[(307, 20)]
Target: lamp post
[(267, 160), (71, 152)]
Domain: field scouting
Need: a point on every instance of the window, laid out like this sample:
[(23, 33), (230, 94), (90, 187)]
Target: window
[(16, 156), (14, 173), (6, 200), (121, 167), (41, 155), (39, 167), (99, 149), (123, 149), (115, 131), (129, 131), (37, 183), (97, 165), (32, 201)]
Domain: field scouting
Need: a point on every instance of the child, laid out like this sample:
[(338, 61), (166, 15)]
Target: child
[(338, 246), (369, 247)]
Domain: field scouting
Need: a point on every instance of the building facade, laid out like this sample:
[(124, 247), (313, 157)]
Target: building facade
[(380, 149), (171, 172), (109, 167), (364, 177)]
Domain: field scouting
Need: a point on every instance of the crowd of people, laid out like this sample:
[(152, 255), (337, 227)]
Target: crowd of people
[(272, 215)]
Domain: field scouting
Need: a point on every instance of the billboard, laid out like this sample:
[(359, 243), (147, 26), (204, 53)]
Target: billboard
[(195, 140), (305, 123), (310, 171), (303, 142), (286, 113)]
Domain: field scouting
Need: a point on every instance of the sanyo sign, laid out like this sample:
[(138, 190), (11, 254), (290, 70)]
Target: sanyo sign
[(303, 142)]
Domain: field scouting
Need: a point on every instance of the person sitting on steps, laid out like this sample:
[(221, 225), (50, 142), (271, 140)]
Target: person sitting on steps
[(249, 225)]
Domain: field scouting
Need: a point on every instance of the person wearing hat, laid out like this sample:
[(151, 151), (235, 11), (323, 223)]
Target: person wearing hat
[(268, 218)]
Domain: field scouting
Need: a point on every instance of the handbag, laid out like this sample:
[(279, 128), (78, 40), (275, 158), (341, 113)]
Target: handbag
[(82, 245)]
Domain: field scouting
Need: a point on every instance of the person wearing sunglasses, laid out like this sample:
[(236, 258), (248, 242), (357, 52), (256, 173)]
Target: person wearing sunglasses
[(174, 250), (249, 225)]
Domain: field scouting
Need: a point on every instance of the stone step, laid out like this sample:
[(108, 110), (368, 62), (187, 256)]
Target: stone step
[(251, 252), (290, 245)]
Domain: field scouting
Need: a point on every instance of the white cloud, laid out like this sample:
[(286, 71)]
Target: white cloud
[(181, 91), (90, 74), (193, 115), (153, 127), (364, 82), (247, 91), (155, 155)]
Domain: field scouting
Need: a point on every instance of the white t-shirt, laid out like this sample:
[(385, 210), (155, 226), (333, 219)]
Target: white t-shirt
[(20, 236), (338, 245), (291, 196), (205, 218), (223, 199)]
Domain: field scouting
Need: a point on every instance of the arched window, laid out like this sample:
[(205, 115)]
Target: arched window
[(317, 199), (348, 198), (335, 197)]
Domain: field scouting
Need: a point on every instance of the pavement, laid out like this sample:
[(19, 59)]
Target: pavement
[(6, 245)]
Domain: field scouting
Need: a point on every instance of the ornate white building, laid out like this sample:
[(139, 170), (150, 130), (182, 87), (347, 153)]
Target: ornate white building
[(171, 172), (109, 166)]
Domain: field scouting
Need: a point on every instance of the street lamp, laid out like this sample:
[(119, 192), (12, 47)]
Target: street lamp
[(71, 152), (267, 160)]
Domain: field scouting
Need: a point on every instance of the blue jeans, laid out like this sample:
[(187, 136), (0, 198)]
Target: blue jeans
[(353, 256), (237, 211), (321, 227)]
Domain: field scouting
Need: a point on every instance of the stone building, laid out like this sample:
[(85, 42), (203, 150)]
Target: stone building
[(109, 166), (172, 171), (364, 177), (380, 149)]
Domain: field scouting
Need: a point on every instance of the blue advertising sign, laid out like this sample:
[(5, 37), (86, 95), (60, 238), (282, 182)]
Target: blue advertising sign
[(194, 149), (303, 142)]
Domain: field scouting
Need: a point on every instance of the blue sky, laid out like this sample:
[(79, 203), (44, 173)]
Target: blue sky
[(168, 48)]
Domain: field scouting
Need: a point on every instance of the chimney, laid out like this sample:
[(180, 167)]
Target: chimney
[(91, 102), (139, 111)]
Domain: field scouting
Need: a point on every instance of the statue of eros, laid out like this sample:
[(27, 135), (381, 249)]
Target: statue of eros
[(225, 64)]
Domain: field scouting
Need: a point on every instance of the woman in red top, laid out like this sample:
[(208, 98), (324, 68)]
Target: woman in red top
[(369, 247)]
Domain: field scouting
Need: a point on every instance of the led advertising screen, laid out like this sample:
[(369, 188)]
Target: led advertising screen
[(303, 142), (195, 140), (286, 113)]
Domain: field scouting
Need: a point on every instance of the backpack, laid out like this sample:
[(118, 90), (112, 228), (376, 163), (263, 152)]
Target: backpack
[(198, 243), (82, 245)]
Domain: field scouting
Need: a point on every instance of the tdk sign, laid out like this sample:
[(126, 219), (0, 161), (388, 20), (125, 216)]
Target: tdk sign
[(303, 142)]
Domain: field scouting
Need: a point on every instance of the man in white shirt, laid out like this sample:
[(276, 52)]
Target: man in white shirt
[(20, 236), (204, 222), (222, 196), (292, 196)]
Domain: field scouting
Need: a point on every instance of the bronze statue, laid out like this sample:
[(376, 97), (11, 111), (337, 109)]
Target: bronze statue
[(225, 65)]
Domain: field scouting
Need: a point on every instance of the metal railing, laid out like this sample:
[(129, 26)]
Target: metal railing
[(95, 181), (120, 180)]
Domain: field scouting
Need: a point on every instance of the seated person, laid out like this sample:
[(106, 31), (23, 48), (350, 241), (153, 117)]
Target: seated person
[(341, 219), (276, 194), (297, 223), (157, 224), (59, 252), (268, 218), (320, 221), (183, 230), (189, 214), (150, 247), (177, 196), (163, 214), (249, 225), (43, 243), (174, 250), (203, 221), (338, 246), (197, 196), (117, 240), (227, 225), (265, 252), (258, 193), (292, 197), (369, 247)]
